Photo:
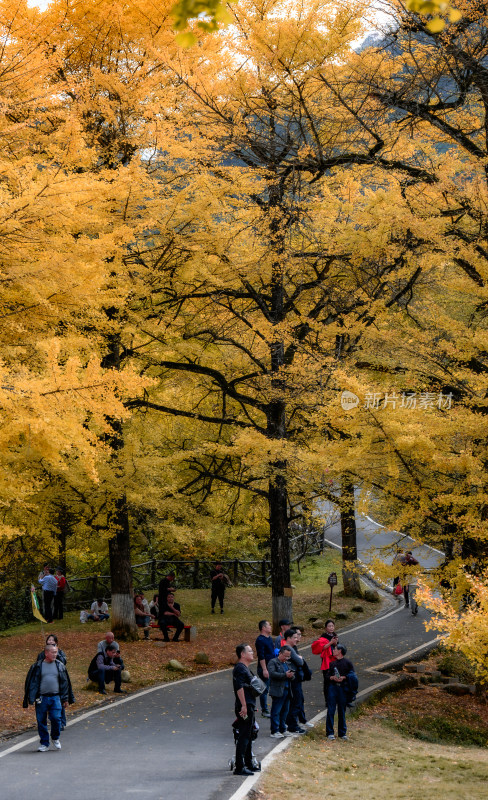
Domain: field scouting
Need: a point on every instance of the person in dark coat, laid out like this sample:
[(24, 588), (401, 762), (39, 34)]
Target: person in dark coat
[(48, 687), (245, 708), (280, 676), (337, 696), (170, 615), (219, 582), (166, 585)]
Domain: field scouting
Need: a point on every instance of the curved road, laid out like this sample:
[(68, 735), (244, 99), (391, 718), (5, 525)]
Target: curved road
[(173, 741)]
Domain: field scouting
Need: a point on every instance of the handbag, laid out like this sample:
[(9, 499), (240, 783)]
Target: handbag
[(398, 589), (257, 685)]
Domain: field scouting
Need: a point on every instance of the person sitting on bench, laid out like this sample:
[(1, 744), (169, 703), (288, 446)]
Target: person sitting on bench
[(170, 616)]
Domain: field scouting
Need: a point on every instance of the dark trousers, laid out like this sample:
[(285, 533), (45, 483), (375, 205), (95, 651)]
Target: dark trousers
[(301, 704), (336, 699), (47, 599), (279, 712), (244, 741), (217, 594), (263, 698), (296, 704), (48, 706), (325, 673), (103, 676), (175, 622), (58, 605)]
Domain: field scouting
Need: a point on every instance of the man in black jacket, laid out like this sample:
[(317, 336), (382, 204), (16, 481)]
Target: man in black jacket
[(245, 708), (170, 614), (48, 687), (337, 695)]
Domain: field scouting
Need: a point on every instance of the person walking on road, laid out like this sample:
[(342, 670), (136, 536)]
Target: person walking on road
[(405, 561), (245, 707), (219, 582), (48, 687), (265, 652), (337, 696), (60, 656)]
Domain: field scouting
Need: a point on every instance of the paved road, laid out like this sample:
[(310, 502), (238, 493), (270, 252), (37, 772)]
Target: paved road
[(373, 539), (174, 741)]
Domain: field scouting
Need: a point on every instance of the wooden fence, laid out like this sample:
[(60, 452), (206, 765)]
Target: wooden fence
[(194, 574)]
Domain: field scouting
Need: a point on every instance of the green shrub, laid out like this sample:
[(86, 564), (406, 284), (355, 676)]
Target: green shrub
[(442, 730), (454, 663)]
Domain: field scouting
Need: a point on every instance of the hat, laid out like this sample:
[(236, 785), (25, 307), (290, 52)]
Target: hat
[(285, 622)]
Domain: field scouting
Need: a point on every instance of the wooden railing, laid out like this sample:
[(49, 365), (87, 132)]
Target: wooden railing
[(195, 574)]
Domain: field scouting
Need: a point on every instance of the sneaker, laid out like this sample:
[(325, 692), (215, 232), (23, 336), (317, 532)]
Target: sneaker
[(42, 748), (299, 732), (344, 738), (331, 737), (309, 725), (288, 733), (57, 744), (265, 714), (213, 611), (276, 735)]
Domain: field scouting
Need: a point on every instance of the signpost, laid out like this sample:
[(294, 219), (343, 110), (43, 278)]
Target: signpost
[(332, 581)]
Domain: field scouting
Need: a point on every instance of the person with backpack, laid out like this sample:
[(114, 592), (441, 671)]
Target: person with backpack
[(337, 697)]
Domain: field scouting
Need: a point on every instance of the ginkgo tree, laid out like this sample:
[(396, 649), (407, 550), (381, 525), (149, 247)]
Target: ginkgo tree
[(256, 276)]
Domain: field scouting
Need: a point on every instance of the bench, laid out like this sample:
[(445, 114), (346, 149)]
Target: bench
[(189, 631)]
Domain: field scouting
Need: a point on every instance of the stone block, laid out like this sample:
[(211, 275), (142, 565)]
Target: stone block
[(175, 665), (201, 658)]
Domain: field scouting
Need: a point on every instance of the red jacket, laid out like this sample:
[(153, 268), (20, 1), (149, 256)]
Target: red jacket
[(322, 647)]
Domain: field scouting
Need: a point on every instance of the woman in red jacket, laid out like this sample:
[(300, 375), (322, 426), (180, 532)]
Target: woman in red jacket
[(323, 647)]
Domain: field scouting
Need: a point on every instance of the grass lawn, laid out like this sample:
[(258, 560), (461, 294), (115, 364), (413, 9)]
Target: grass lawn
[(217, 635), (378, 762)]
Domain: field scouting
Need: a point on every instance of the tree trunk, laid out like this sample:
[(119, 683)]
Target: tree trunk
[(350, 575), (280, 553), (282, 603), (123, 618)]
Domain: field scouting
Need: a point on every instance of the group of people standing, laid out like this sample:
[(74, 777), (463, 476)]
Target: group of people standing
[(54, 586), (282, 670)]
